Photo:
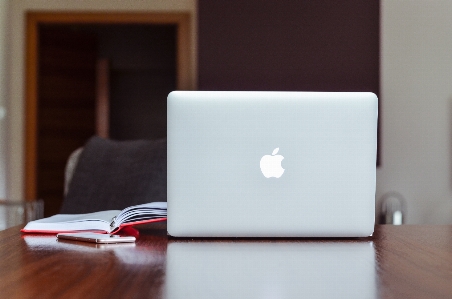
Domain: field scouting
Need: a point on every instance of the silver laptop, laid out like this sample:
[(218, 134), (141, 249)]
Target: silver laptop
[(271, 164)]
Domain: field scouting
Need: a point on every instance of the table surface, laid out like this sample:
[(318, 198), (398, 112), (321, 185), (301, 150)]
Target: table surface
[(397, 262)]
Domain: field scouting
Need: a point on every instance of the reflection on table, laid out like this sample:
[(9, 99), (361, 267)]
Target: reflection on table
[(270, 270)]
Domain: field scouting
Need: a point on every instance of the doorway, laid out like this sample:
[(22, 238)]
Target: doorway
[(62, 53)]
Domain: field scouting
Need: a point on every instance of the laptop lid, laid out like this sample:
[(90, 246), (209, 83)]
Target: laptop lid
[(271, 164)]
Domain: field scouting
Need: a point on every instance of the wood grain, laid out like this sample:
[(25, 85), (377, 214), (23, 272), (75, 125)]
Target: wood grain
[(414, 261), (103, 98), (410, 262)]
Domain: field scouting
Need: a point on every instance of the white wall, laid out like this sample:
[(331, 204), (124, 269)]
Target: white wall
[(16, 54), (3, 85), (416, 92), (4, 7)]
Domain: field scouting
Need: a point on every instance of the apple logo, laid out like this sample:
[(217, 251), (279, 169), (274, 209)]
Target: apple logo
[(271, 165)]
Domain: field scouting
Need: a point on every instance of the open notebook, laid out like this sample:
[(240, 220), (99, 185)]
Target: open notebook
[(110, 221)]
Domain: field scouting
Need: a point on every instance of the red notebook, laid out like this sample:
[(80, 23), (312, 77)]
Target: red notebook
[(109, 222)]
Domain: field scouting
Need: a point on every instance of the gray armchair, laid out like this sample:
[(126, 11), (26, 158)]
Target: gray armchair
[(112, 175)]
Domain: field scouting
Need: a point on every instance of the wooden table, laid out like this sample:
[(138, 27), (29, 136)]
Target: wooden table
[(397, 262)]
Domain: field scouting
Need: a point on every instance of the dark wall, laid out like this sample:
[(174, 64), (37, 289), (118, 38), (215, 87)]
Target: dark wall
[(143, 72), (142, 60), (289, 45)]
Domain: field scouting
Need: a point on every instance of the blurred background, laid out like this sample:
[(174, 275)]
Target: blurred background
[(71, 69)]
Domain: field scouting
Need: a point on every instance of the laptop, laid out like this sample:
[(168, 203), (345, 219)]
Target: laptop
[(271, 164)]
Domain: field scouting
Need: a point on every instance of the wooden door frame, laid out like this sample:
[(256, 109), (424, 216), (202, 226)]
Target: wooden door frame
[(185, 80)]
